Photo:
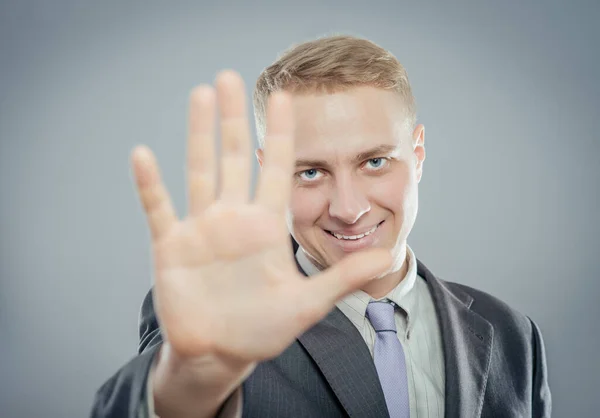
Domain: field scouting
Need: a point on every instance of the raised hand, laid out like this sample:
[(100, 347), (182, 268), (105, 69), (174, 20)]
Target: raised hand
[(225, 279)]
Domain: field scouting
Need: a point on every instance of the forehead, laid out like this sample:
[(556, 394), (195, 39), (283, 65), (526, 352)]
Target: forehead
[(347, 122)]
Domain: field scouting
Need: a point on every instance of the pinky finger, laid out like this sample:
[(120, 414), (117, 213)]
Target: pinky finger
[(154, 198)]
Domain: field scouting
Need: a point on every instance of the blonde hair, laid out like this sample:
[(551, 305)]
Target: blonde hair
[(328, 65)]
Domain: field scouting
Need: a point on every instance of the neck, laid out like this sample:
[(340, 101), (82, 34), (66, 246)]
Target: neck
[(380, 287)]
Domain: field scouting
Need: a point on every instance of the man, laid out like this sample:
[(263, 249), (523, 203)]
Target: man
[(345, 321)]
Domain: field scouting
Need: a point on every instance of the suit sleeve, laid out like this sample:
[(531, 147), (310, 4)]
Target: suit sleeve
[(128, 392), (124, 394), (541, 398)]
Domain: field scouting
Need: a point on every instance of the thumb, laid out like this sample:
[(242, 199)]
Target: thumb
[(346, 276)]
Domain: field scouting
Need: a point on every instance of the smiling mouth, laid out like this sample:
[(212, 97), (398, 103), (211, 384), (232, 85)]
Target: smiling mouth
[(354, 237)]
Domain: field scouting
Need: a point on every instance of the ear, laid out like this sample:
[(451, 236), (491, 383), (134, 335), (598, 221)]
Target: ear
[(419, 149), (260, 157)]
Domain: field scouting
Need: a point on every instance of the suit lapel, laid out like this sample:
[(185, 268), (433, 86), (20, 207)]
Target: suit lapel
[(467, 340), (341, 354)]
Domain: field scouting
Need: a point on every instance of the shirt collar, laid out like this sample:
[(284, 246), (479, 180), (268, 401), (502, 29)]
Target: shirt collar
[(354, 306), (308, 267)]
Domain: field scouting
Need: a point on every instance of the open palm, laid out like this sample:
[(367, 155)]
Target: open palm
[(225, 278)]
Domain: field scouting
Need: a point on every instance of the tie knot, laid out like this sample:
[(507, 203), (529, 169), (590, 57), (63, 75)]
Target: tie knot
[(381, 316)]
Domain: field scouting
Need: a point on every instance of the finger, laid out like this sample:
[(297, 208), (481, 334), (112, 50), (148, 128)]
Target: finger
[(275, 182), (235, 138), (201, 150), (345, 277), (155, 199)]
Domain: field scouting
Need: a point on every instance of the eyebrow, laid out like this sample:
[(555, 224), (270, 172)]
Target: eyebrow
[(361, 156)]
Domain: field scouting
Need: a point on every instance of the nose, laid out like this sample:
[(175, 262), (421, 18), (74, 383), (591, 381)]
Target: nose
[(348, 202)]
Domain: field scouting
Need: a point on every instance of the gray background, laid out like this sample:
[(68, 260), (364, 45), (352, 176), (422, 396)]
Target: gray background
[(508, 92)]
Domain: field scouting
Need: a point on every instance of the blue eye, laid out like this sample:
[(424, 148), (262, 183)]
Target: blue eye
[(310, 174), (377, 162)]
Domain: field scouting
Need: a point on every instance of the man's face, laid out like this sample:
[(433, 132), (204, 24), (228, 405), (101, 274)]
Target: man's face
[(357, 170)]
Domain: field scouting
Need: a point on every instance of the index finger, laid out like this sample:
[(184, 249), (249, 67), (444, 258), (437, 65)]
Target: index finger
[(274, 184)]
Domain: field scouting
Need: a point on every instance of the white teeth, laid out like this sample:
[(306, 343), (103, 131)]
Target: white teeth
[(353, 237)]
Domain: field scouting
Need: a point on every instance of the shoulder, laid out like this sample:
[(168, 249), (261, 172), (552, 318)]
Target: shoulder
[(508, 323), (456, 294), (148, 327)]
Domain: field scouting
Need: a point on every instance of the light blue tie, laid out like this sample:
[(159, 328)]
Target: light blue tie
[(389, 359)]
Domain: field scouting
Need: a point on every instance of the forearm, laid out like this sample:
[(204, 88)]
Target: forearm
[(194, 389)]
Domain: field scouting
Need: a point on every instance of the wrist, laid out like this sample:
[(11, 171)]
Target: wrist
[(200, 384)]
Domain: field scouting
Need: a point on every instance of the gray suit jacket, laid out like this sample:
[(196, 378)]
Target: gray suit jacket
[(494, 360)]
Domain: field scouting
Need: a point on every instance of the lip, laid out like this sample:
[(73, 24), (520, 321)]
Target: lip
[(357, 244)]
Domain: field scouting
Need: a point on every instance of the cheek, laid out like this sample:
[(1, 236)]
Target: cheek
[(396, 190), (307, 206)]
